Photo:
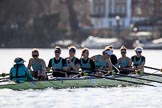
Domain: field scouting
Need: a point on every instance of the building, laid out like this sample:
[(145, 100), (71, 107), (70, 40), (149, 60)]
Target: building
[(108, 13), (104, 12)]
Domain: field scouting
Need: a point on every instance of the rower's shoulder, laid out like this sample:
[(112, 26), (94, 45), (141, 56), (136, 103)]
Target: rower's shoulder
[(96, 56), (133, 56)]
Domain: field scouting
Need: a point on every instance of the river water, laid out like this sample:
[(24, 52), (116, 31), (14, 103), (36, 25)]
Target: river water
[(116, 97)]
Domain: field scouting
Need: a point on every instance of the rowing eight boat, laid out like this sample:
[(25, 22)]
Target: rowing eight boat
[(60, 83)]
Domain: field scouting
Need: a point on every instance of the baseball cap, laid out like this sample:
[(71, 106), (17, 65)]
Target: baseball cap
[(19, 60), (108, 52)]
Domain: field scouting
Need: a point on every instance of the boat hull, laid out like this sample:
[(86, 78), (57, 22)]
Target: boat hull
[(77, 83)]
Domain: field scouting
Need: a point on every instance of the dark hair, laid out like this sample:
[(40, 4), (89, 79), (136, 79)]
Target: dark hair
[(35, 51), (58, 48)]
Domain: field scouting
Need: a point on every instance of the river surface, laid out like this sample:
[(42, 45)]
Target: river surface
[(116, 97)]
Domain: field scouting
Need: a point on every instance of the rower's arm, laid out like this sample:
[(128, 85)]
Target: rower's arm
[(50, 63), (29, 65), (29, 76), (109, 67), (94, 57), (141, 66), (130, 62), (43, 65), (118, 63)]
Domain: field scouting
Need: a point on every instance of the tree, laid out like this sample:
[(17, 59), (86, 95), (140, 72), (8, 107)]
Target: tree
[(72, 14)]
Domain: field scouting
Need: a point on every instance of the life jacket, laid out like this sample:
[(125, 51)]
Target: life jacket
[(99, 63), (123, 63), (73, 61), (36, 66), (58, 65), (135, 62), (85, 66), (18, 73)]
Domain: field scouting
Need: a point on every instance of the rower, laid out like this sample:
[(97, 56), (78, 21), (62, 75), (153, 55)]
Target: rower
[(19, 73), (57, 64), (102, 63), (72, 62), (124, 62), (87, 64), (138, 60), (37, 66), (113, 57)]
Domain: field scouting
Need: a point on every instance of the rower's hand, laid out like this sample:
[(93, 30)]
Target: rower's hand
[(48, 69), (53, 69), (161, 70), (138, 71), (108, 72)]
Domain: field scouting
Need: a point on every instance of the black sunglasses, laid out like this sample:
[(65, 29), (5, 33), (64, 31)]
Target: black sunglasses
[(35, 55), (123, 52), (139, 51), (57, 51)]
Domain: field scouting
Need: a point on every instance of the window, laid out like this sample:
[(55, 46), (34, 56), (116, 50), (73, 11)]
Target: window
[(99, 7)]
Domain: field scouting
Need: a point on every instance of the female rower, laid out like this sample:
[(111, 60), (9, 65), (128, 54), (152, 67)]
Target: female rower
[(37, 66), (113, 57), (57, 64), (87, 64), (138, 60), (72, 62), (103, 62), (124, 62), (19, 73)]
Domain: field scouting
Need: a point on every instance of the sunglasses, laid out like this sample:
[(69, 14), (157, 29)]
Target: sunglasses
[(139, 51), (57, 51), (123, 52), (35, 55)]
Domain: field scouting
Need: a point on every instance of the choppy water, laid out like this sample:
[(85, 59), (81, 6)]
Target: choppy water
[(117, 97)]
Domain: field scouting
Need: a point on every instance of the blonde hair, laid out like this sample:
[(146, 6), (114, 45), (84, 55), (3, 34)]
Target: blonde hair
[(72, 47), (35, 50), (109, 47), (137, 48), (58, 47), (123, 48)]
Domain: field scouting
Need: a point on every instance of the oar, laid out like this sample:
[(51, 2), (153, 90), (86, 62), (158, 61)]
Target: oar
[(74, 72), (129, 76), (159, 75), (133, 82), (4, 78), (113, 79), (4, 74), (153, 68), (70, 71), (140, 78), (134, 76)]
